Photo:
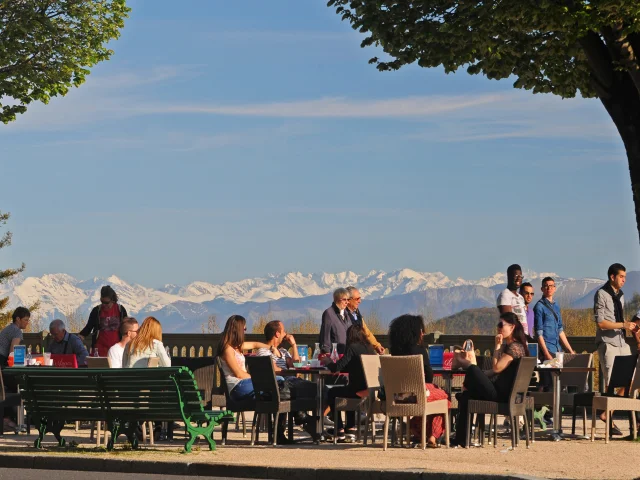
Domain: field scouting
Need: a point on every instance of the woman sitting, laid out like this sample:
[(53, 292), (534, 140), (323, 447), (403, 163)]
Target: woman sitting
[(405, 338), (357, 344), (234, 368), (495, 384), (147, 344)]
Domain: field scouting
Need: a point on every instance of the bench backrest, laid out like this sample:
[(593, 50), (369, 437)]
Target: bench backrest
[(146, 393)]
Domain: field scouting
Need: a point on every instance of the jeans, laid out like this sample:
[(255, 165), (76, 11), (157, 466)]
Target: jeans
[(244, 389)]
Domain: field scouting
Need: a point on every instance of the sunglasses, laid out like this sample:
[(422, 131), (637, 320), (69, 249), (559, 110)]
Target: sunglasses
[(528, 293), (356, 298)]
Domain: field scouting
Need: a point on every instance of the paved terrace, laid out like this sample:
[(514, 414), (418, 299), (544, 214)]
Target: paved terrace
[(546, 459)]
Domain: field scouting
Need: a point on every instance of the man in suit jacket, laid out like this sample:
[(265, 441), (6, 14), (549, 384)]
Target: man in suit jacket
[(335, 323)]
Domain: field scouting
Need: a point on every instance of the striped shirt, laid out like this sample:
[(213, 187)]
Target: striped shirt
[(281, 362)]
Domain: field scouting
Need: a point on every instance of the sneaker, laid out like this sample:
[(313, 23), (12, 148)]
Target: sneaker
[(327, 421)]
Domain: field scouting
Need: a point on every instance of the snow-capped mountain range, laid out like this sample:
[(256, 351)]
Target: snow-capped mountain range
[(60, 293)]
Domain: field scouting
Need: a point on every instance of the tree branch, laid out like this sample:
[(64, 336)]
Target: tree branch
[(599, 60), (623, 53)]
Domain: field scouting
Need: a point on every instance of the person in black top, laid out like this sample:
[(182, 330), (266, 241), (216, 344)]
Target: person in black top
[(405, 338), (357, 344), (495, 384)]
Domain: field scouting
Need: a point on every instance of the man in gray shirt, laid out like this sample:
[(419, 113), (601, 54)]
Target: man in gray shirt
[(608, 309), (65, 342)]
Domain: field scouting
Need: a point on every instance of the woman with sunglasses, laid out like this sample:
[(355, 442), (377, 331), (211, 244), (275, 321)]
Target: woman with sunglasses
[(104, 322), (493, 385)]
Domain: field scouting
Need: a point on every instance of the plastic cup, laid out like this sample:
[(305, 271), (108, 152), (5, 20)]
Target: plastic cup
[(560, 357)]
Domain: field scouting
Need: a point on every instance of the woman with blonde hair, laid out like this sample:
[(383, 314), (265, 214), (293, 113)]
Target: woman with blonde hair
[(146, 345)]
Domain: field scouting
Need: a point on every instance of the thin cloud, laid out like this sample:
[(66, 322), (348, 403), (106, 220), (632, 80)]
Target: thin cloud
[(405, 107)]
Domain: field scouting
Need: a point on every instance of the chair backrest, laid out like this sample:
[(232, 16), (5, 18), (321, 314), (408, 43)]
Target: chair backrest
[(98, 362), (223, 381), (622, 373), (372, 370), (263, 377), (64, 360), (635, 385), (522, 379), (153, 362), (578, 380), (403, 381), (206, 373)]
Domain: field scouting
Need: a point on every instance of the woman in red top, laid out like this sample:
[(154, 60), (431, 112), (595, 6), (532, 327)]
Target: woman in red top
[(104, 322)]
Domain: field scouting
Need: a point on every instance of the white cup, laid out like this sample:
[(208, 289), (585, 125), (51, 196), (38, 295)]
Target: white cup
[(49, 362), (560, 357)]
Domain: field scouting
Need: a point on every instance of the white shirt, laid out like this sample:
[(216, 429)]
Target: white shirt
[(140, 359), (516, 302), (115, 355)]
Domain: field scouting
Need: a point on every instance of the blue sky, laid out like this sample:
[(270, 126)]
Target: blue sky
[(225, 140)]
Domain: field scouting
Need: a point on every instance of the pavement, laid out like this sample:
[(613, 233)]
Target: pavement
[(16, 473), (581, 459)]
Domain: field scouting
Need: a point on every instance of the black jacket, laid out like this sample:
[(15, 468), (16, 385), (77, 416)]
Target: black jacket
[(350, 363), (93, 324)]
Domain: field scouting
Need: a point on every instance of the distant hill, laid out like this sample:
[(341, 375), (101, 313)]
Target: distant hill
[(474, 321)]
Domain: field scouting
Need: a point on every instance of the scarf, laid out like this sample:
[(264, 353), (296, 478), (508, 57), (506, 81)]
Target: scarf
[(617, 303)]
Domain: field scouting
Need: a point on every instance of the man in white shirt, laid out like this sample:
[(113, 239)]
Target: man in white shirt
[(510, 300), (128, 331)]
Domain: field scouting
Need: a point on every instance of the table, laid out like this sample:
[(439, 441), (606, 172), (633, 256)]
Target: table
[(320, 373), (447, 374), (556, 433)]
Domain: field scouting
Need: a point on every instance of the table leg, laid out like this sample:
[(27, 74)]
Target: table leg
[(320, 424), (557, 413)]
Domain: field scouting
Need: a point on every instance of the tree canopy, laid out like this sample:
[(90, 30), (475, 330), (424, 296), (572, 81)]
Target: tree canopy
[(47, 46), (563, 47), (545, 44)]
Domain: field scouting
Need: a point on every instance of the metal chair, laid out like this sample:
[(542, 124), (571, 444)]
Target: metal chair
[(516, 406), (403, 379), (268, 402), (611, 402)]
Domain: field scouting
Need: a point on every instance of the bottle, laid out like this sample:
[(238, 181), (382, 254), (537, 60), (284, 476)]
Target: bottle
[(468, 346), (316, 352), (28, 357), (334, 353), (95, 352), (168, 350)]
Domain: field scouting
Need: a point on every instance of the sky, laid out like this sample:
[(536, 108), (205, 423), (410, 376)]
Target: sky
[(228, 140)]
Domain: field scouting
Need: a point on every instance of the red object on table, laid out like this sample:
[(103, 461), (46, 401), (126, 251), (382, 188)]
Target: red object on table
[(447, 360)]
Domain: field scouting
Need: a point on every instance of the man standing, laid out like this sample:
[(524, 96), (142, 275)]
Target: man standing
[(548, 328), (510, 300), (335, 323), (356, 317), (527, 292), (128, 331), (608, 309), (65, 342)]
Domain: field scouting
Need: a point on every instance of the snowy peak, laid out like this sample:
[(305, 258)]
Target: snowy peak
[(60, 293)]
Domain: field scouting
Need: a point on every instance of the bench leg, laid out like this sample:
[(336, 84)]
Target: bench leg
[(56, 427), (42, 429)]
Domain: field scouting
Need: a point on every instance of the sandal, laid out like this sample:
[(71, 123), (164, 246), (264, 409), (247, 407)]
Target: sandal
[(433, 445)]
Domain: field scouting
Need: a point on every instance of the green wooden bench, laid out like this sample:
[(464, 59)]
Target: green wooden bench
[(120, 397)]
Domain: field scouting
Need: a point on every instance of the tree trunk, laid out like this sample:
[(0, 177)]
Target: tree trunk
[(623, 105)]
